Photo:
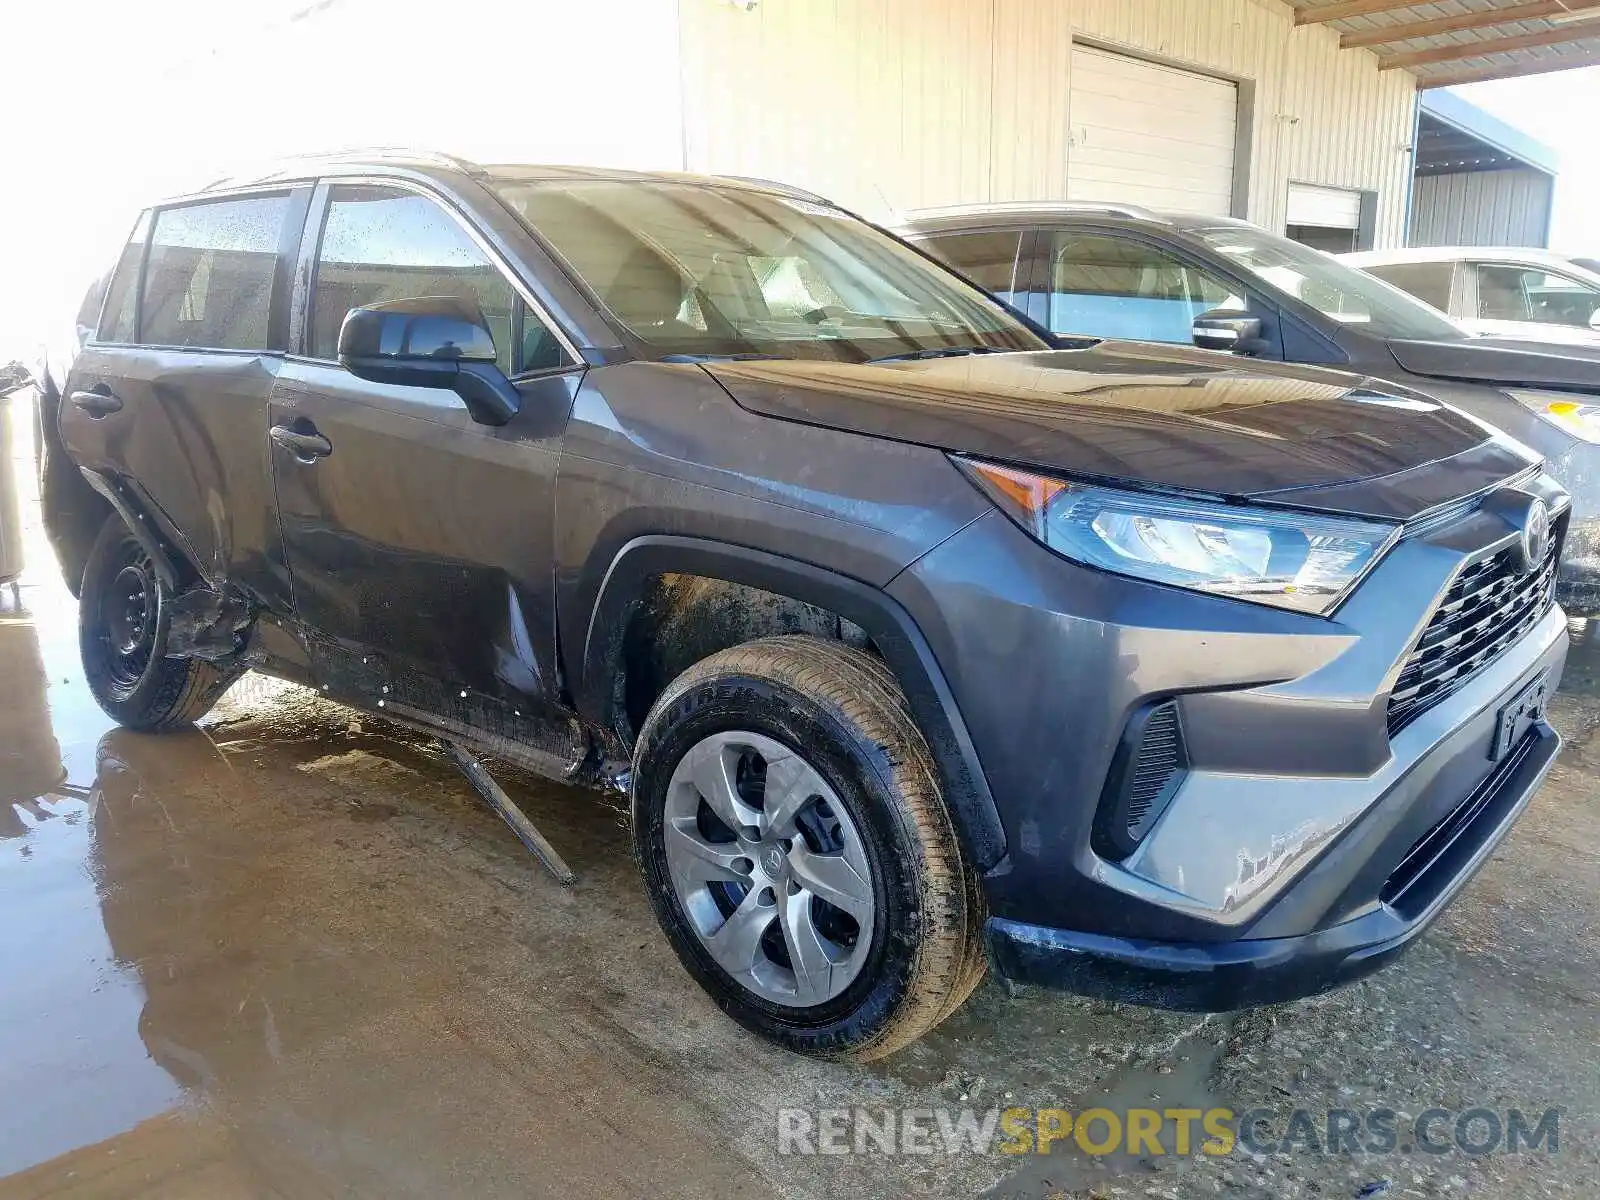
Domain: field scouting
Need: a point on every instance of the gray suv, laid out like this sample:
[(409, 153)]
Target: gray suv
[(919, 644)]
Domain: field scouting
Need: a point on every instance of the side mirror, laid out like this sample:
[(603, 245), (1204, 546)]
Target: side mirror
[(431, 341), (1236, 335), (1594, 320)]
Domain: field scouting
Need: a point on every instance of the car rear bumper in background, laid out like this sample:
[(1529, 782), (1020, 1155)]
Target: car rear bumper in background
[(1221, 976)]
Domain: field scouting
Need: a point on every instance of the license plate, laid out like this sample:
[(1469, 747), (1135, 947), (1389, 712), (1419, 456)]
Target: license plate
[(1519, 715)]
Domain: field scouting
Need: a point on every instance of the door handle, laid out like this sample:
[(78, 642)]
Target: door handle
[(307, 447), (97, 404)]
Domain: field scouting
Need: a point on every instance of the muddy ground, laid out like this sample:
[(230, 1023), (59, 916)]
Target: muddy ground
[(292, 955)]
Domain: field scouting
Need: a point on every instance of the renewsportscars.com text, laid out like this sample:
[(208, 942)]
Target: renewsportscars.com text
[(1144, 1132)]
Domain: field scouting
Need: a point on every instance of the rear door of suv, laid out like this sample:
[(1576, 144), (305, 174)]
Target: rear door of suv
[(168, 399), (420, 542)]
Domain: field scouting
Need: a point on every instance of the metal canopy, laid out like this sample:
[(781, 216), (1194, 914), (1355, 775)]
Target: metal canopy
[(1455, 136), (1464, 41)]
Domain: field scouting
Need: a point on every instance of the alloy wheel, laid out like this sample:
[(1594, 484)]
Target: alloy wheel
[(769, 868)]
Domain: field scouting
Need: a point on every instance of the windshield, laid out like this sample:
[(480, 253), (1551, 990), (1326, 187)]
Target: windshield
[(697, 270), (1339, 292)]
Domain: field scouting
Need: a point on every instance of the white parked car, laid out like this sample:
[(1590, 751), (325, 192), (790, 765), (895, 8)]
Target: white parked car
[(1500, 293)]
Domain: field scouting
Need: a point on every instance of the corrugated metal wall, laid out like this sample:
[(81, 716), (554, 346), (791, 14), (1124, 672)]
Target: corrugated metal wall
[(894, 104), (1482, 208)]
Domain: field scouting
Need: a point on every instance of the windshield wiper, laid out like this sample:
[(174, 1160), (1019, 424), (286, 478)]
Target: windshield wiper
[(938, 352)]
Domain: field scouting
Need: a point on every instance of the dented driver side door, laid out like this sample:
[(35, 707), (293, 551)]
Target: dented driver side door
[(419, 542)]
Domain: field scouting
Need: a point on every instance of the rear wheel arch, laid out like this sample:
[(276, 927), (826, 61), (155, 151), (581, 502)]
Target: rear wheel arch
[(807, 599)]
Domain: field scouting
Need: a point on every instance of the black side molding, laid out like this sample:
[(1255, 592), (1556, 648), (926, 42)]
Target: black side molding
[(889, 626)]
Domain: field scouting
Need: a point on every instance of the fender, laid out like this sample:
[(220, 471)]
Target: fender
[(157, 542), (890, 627)]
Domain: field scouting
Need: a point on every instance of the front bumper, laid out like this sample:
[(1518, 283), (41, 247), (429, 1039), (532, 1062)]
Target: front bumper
[(1222, 976), (1269, 872)]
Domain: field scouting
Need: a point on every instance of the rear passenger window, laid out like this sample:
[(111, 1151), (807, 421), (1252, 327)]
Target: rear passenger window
[(1428, 282), (117, 314), (380, 244), (208, 280), (988, 259)]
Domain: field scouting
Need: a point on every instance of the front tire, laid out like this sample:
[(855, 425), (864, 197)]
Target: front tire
[(123, 623), (798, 852)]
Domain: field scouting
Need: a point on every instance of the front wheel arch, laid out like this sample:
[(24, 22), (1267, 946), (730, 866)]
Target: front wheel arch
[(889, 628)]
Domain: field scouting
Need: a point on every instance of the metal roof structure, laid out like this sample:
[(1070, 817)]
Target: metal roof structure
[(1454, 135), (1450, 42)]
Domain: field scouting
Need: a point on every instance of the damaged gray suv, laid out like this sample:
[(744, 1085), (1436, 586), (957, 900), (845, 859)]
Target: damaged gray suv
[(923, 644)]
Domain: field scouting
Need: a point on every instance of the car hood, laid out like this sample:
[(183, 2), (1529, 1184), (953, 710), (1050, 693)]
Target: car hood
[(1164, 417), (1513, 362)]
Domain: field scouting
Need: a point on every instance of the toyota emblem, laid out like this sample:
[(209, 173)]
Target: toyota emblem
[(1535, 535)]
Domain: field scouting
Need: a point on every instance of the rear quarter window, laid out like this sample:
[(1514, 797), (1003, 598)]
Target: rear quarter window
[(1428, 282), (118, 312), (988, 259), (209, 275)]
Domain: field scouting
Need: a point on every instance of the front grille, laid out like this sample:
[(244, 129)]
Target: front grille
[(1160, 757), (1492, 603)]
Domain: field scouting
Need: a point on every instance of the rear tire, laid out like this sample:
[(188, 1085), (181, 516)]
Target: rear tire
[(832, 822), (122, 636)]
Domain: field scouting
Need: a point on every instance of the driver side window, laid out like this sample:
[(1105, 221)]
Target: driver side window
[(381, 244), (1119, 288)]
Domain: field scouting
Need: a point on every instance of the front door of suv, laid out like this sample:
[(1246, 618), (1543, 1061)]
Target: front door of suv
[(1111, 284), (420, 542)]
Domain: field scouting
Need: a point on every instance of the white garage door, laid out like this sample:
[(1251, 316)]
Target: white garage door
[(1151, 135), (1325, 207)]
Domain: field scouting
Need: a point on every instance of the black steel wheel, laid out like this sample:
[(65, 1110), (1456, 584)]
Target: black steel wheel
[(122, 635)]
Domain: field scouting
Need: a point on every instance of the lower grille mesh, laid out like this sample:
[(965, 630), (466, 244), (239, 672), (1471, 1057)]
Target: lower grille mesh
[(1160, 757), (1492, 603)]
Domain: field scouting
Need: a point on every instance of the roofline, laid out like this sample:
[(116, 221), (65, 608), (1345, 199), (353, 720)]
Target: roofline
[(778, 187), (404, 161), (317, 163), (1441, 253), (1465, 117), (1035, 207), (1529, 256)]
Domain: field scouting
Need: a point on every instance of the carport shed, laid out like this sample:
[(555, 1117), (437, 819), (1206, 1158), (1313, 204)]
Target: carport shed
[(1299, 116)]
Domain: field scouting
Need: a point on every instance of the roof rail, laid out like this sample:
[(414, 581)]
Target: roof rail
[(281, 167), (1135, 211), (786, 189)]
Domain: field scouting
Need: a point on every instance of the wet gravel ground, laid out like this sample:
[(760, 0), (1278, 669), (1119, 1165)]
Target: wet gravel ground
[(293, 955)]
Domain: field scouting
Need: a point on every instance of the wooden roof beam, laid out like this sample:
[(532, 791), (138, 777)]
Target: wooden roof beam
[(1406, 30), (1537, 66), (1455, 53), (1343, 11)]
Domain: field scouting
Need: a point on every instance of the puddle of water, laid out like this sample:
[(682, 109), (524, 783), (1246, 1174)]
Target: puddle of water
[(73, 1067), (1181, 1080)]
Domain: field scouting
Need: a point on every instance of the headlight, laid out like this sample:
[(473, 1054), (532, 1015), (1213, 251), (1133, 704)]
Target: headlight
[(1291, 560), (1579, 418)]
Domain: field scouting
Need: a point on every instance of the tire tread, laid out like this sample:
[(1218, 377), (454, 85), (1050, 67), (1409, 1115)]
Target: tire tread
[(864, 696)]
